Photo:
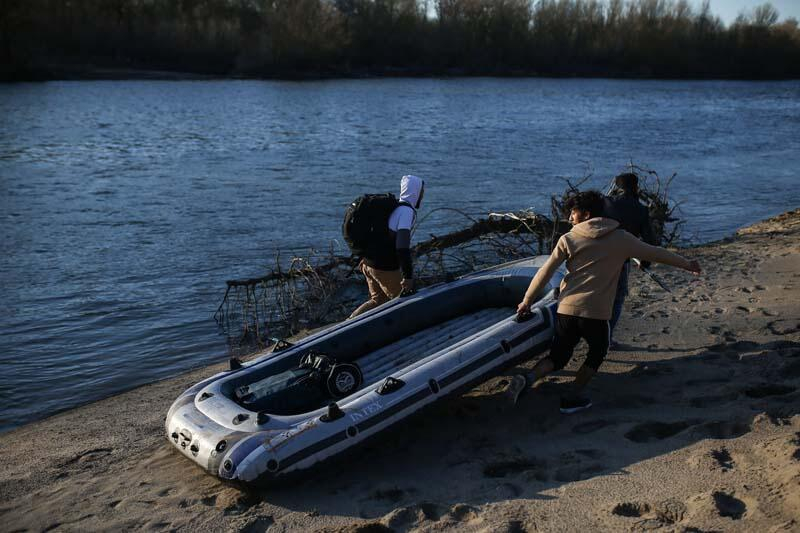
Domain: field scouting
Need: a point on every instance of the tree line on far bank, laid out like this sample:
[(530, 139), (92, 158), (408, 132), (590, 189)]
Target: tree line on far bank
[(321, 38)]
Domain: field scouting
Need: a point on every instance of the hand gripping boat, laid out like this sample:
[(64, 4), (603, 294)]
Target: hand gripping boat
[(287, 411)]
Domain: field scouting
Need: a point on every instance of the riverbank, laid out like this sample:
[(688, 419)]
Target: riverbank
[(89, 72), (696, 424)]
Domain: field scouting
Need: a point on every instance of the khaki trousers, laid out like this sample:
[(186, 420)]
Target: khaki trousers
[(383, 285)]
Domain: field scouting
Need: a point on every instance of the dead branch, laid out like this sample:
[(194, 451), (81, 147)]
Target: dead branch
[(320, 288)]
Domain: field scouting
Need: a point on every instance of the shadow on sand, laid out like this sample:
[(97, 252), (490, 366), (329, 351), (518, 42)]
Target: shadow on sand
[(476, 449)]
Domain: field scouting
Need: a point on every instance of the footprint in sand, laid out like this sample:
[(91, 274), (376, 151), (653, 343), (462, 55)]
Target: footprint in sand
[(501, 469), (713, 400), (721, 429), (784, 326), (667, 513), (579, 472), (728, 505), (648, 524), (210, 501), (768, 389), (89, 455), (590, 453), (723, 458), (462, 512), (670, 511), (653, 431), (263, 523), (241, 503), (514, 526), (375, 503), (591, 427), (507, 491), (630, 401), (631, 509), (405, 518)]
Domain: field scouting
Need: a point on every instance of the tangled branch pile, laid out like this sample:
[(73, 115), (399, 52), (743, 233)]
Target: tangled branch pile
[(322, 288)]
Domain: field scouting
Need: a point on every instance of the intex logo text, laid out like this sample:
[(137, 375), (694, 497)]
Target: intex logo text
[(372, 408)]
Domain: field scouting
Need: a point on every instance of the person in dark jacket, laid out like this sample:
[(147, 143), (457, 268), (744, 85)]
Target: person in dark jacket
[(387, 267), (623, 206)]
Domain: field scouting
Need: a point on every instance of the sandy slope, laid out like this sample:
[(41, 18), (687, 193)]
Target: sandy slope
[(696, 426)]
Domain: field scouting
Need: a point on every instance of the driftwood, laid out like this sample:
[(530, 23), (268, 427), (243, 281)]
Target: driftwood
[(321, 288), (523, 222), (312, 290)]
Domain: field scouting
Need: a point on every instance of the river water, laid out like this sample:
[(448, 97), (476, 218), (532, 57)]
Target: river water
[(124, 206)]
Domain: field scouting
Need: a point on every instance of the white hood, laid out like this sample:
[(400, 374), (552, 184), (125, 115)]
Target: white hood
[(410, 189)]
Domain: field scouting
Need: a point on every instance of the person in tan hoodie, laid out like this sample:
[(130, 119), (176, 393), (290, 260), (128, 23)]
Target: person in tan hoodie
[(594, 250)]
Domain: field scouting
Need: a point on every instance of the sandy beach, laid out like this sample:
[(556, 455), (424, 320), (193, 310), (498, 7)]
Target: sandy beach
[(695, 427)]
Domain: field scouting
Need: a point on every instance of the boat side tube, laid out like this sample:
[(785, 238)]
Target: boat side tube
[(316, 440)]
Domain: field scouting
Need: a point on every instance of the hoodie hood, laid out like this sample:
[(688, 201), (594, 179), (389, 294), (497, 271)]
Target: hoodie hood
[(410, 189), (594, 228)]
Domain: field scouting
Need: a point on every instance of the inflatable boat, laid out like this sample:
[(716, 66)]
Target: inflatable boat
[(290, 409)]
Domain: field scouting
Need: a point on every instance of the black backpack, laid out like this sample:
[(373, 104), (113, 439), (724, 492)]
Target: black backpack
[(366, 222)]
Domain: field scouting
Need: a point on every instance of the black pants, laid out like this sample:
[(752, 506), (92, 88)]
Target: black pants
[(569, 331)]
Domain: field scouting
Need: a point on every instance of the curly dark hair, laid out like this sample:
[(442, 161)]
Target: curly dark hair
[(591, 201)]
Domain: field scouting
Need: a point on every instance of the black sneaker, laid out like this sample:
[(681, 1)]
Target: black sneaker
[(573, 404), (517, 386)]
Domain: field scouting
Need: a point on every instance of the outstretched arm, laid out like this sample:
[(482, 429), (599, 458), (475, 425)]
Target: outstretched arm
[(544, 274), (656, 254)]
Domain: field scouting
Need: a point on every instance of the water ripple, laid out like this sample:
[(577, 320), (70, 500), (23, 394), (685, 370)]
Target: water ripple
[(126, 205)]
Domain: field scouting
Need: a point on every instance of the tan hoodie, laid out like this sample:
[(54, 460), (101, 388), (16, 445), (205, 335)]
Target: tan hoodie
[(595, 251)]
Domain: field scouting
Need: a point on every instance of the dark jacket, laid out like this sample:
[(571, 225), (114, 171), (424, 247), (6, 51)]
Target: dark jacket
[(632, 216)]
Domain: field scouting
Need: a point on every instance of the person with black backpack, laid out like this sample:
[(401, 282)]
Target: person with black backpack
[(377, 227)]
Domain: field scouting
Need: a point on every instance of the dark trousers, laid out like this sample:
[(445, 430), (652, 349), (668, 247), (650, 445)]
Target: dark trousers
[(570, 330)]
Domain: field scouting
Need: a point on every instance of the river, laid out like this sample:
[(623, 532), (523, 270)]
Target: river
[(125, 205)]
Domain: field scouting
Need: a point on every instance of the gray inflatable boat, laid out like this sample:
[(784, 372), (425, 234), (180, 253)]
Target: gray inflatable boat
[(288, 410)]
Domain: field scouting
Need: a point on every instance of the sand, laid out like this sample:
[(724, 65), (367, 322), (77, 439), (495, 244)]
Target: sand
[(695, 427)]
